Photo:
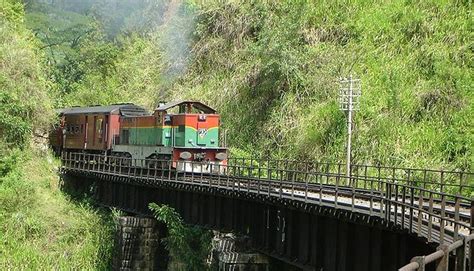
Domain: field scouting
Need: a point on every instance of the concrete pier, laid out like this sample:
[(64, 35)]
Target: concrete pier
[(232, 252), (137, 245)]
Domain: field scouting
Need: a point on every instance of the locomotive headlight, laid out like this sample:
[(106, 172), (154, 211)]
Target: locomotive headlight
[(185, 155), (221, 156)]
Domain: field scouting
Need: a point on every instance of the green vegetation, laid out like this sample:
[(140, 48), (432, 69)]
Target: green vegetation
[(40, 227), (25, 105), (188, 245), (272, 68)]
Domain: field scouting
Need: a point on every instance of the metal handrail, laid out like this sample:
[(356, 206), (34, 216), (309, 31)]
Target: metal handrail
[(352, 166), (367, 179), (444, 174), (461, 174), (280, 172), (442, 254)]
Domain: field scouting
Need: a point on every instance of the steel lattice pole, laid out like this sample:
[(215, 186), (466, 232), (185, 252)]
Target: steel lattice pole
[(349, 130)]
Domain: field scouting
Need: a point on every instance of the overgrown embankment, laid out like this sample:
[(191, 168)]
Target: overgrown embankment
[(271, 68), (43, 228), (40, 227)]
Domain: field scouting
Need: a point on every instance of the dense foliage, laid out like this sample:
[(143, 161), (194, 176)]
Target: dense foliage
[(25, 105), (189, 245), (271, 68), (40, 227)]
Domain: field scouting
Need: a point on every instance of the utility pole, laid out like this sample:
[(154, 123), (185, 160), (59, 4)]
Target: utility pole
[(349, 94)]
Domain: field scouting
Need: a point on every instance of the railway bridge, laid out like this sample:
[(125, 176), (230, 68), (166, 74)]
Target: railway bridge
[(309, 214)]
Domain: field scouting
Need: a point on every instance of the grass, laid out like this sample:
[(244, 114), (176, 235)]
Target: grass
[(42, 228), (272, 69)]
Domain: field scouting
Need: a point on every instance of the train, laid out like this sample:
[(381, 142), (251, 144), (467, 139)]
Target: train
[(183, 135)]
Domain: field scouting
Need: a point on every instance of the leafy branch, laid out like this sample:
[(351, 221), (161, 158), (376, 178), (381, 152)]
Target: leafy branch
[(187, 244)]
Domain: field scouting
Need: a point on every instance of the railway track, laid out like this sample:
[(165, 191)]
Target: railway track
[(359, 200)]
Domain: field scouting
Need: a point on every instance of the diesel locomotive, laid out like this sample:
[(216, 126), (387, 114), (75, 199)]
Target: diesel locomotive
[(183, 135)]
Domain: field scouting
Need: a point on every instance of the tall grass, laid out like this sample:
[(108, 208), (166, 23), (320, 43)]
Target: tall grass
[(41, 227), (272, 68)]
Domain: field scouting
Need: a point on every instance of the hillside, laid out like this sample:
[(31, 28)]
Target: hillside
[(40, 226), (272, 70)]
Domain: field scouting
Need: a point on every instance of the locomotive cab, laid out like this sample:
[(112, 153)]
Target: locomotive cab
[(194, 132)]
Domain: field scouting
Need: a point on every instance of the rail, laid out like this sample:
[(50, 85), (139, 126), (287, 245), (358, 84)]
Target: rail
[(430, 203)]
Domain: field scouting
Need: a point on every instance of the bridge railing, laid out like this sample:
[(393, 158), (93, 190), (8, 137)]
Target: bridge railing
[(440, 259), (452, 182), (426, 210), (396, 195)]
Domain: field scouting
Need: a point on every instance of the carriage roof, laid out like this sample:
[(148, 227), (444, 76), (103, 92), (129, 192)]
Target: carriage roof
[(127, 109)]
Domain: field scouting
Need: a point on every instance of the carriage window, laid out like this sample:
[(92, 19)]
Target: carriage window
[(98, 126), (167, 119), (182, 108)]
